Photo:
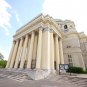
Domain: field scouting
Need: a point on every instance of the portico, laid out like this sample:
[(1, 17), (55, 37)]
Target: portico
[(38, 45)]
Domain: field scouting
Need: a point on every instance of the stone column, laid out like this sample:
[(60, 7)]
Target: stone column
[(30, 51), (24, 53), (33, 61), (35, 46), (51, 50), (57, 52), (18, 54), (14, 54), (10, 56), (39, 47), (61, 51), (46, 49), (28, 47)]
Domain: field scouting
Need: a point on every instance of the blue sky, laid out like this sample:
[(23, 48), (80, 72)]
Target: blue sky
[(16, 13)]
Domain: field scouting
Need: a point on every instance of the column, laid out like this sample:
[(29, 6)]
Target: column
[(28, 47), (33, 64), (30, 51), (18, 53), (39, 47), (10, 56), (57, 52), (24, 53), (51, 50), (45, 62), (14, 54), (61, 51)]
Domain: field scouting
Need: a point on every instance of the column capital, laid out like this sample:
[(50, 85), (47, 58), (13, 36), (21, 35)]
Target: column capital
[(51, 30), (40, 28), (32, 32), (17, 40), (26, 35), (21, 38), (60, 39), (56, 35), (47, 29)]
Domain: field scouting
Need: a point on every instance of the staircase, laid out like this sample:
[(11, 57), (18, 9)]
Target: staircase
[(80, 82), (23, 75), (17, 76), (77, 81)]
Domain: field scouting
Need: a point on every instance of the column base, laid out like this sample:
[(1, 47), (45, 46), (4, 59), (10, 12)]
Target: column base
[(37, 74), (34, 74)]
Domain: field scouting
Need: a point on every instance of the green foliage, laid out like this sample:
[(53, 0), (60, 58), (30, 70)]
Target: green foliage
[(3, 63), (75, 70), (1, 57), (85, 72)]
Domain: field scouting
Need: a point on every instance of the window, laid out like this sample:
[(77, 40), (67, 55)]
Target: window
[(65, 26), (70, 60), (71, 26), (68, 46)]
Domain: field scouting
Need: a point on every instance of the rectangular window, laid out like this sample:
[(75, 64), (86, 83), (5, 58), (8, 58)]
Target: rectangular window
[(70, 60)]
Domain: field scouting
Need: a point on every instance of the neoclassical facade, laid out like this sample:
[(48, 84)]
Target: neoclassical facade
[(44, 43)]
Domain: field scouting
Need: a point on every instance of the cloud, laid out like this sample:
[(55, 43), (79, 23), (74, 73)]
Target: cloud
[(17, 17), (5, 16), (68, 9)]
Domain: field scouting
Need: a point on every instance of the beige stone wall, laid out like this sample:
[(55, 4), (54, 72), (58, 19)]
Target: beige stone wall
[(72, 46), (83, 46)]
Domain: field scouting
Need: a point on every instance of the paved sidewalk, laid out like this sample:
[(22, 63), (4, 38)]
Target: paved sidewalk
[(82, 75), (5, 82)]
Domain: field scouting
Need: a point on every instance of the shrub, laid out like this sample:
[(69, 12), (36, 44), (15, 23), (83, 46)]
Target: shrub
[(3, 63), (75, 70), (85, 72)]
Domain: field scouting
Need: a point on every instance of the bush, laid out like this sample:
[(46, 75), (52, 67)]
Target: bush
[(85, 72), (75, 70), (3, 63)]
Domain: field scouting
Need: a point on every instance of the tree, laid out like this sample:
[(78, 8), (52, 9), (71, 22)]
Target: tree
[(3, 63), (1, 57)]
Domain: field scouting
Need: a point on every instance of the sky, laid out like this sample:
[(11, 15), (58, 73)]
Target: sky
[(16, 13)]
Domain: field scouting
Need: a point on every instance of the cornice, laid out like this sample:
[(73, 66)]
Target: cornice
[(40, 15), (39, 19)]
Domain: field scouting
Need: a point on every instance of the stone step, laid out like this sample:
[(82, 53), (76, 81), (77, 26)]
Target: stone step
[(18, 77)]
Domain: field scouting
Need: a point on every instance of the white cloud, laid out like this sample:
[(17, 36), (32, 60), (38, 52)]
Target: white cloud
[(5, 16), (17, 17), (75, 10)]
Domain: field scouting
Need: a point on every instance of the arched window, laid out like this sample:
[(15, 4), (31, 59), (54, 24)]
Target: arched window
[(65, 26)]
